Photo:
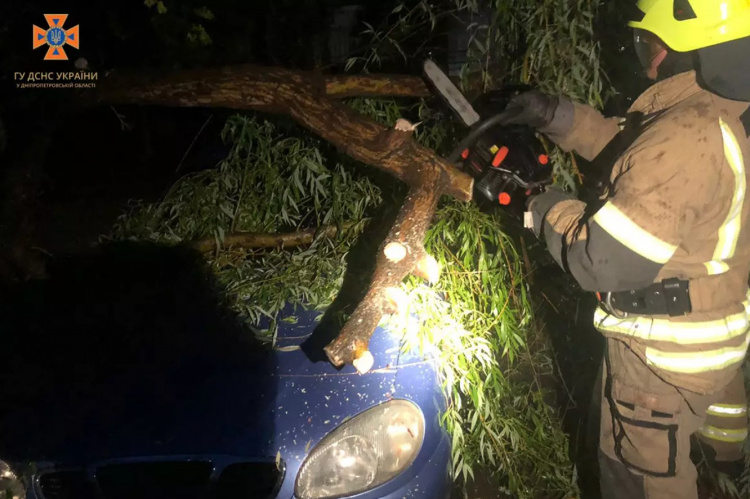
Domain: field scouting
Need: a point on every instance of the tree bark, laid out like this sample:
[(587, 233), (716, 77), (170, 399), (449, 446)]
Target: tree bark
[(340, 86), (308, 98), (260, 240)]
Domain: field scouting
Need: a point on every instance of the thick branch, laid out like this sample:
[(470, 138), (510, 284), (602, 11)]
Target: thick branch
[(408, 231), (260, 240), (303, 97)]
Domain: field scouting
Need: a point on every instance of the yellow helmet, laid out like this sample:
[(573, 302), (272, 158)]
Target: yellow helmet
[(686, 25)]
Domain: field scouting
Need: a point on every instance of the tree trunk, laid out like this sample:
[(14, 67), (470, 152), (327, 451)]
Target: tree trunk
[(309, 99)]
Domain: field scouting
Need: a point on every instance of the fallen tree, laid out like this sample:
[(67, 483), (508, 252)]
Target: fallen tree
[(312, 100)]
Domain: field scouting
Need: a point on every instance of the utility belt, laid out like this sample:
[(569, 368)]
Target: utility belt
[(668, 297)]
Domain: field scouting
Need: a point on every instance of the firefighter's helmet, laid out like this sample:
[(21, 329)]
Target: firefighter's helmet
[(686, 25)]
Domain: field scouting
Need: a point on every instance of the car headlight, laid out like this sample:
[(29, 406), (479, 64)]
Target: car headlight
[(364, 452), (11, 487)]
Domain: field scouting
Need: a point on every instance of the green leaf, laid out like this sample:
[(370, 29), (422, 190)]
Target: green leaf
[(204, 13)]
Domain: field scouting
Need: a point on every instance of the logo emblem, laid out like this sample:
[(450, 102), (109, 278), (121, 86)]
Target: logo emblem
[(56, 37)]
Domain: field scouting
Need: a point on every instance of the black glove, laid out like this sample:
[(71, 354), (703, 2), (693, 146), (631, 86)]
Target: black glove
[(547, 113)]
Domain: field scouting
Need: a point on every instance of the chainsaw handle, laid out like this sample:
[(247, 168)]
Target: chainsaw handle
[(498, 119)]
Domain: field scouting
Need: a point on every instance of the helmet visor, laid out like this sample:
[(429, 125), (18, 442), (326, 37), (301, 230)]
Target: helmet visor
[(646, 46)]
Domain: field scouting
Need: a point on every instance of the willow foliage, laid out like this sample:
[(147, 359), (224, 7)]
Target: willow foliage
[(268, 183)]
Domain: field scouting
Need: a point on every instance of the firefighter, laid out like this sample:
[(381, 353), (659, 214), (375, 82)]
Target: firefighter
[(667, 247)]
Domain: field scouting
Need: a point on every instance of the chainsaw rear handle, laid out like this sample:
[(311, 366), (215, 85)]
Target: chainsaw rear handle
[(483, 126)]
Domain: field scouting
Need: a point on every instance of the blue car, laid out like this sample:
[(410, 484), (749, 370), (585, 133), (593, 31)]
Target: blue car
[(172, 412)]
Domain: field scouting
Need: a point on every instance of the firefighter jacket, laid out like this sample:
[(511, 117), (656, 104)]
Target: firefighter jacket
[(675, 207)]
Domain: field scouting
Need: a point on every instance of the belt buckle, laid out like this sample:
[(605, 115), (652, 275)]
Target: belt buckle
[(612, 310)]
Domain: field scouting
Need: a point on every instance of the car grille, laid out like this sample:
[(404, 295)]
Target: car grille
[(165, 480), (66, 485), (181, 480), (243, 480)]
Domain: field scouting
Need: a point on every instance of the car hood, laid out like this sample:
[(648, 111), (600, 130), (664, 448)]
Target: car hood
[(272, 403)]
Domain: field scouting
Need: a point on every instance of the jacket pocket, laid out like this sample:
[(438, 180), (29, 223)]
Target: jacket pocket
[(645, 430)]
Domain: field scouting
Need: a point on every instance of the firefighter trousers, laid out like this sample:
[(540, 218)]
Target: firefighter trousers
[(646, 425)]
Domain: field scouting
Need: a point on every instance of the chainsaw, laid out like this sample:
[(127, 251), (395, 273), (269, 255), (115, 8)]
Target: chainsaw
[(508, 162)]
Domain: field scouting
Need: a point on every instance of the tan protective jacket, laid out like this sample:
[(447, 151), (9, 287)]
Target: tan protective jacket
[(675, 207)]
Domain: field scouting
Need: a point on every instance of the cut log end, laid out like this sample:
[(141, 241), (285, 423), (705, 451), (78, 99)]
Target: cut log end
[(364, 362), (356, 354), (394, 252), (403, 125)]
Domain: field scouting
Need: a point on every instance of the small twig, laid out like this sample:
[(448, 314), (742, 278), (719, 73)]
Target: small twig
[(190, 147), (121, 118), (258, 240), (43, 251), (550, 303), (564, 384)]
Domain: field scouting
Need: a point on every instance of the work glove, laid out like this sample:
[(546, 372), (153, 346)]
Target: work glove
[(538, 206), (549, 114)]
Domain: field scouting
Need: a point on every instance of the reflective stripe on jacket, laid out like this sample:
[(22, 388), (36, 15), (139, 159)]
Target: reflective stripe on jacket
[(675, 206)]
